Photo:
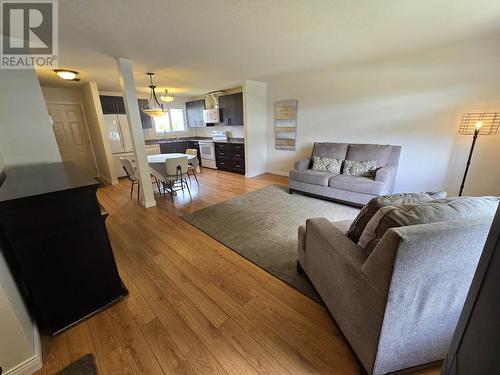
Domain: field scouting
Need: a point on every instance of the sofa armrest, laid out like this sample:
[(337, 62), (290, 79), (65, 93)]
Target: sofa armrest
[(322, 232), (302, 165), (385, 174)]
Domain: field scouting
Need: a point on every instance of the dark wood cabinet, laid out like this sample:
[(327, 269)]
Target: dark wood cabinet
[(112, 104), (230, 157), (194, 113), (231, 109), (174, 147), (54, 238), (147, 121), (116, 105)]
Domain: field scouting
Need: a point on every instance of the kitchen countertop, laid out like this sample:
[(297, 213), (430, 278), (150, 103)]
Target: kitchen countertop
[(183, 139)]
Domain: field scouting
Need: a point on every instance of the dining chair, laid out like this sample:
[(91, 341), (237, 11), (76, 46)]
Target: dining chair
[(134, 179), (176, 172), (191, 167), (130, 172)]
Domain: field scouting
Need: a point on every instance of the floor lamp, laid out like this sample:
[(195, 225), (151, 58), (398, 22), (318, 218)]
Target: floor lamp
[(477, 124)]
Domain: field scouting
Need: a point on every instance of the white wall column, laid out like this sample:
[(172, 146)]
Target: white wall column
[(127, 83), (255, 112)]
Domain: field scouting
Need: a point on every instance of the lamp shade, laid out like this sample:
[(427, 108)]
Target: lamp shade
[(486, 123)]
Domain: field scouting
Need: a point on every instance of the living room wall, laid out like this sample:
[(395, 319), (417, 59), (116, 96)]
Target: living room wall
[(413, 100)]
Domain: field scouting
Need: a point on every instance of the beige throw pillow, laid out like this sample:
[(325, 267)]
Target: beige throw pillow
[(326, 165), (366, 168)]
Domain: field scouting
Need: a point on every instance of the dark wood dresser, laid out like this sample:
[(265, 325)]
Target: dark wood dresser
[(54, 238)]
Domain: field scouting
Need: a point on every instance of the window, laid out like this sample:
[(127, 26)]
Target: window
[(173, 121)]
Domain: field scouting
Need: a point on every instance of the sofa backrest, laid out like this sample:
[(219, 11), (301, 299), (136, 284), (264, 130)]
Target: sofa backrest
[(384, 154), (425, 271)]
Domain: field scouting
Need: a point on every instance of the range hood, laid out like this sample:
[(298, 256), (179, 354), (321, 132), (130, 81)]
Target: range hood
[(211, 114)]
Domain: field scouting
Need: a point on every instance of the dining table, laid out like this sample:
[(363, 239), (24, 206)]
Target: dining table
[(157, 162)]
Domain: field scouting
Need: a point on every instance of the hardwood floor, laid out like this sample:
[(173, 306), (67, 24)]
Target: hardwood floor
[(196, 307)]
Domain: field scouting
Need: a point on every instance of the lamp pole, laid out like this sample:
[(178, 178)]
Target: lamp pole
[(474, 139)]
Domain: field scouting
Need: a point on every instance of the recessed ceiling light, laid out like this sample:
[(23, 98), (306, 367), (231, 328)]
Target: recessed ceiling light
[(68, 75)]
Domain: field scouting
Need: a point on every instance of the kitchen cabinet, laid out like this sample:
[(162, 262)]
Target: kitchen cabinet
[(147, 121), (116, 105), (112, 104), (194, 112), (230, 157), (174, 147), (231, 109)]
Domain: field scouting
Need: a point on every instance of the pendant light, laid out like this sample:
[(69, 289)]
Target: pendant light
[(167, 97), (154, 108)]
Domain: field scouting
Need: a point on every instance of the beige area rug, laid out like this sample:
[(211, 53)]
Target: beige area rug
[(262, 227)]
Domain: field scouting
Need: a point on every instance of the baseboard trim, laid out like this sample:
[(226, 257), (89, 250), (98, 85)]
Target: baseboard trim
[(278, 173), (28, 367)]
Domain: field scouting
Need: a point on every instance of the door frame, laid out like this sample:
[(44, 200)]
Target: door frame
[(86, 128)]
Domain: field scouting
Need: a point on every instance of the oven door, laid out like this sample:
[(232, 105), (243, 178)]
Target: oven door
[(207, 150)]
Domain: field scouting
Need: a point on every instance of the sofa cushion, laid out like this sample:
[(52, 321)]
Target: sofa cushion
[(363, 185), (326, 165), (380, 153), (365, 168), (330, 150), (423, 213), (370, 209), (311, 177)]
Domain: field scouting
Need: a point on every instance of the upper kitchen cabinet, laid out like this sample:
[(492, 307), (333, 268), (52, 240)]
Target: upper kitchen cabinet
[(194, 112), (112, 104), (231, 108), (147, 121)]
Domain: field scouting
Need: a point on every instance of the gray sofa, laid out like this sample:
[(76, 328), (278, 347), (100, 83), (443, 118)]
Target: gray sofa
[(398, 304), (351, 189)]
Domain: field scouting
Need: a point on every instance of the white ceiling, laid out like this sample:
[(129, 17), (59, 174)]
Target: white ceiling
[(195, 46)]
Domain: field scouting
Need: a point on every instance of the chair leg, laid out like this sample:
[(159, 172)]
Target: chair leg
[(138, 190), (171, 192), (189, 191), (189, 177), (196, 178), (131, 188)]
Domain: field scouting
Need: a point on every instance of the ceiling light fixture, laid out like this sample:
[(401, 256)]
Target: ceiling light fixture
[(68, 75), (154, 108), (167, 97)]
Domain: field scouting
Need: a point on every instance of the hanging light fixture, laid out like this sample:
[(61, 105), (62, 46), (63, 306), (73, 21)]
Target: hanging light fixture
[(154, 108), (167, 97)]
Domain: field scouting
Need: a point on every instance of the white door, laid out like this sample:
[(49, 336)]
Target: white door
[(114, 133), (72, 136)]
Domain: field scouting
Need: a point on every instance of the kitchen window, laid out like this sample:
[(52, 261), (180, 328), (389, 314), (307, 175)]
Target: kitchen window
[(173, 121)]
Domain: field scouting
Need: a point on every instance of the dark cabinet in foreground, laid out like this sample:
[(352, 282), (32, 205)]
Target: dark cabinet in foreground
[(230, 156), (231, 109), (54, 238)]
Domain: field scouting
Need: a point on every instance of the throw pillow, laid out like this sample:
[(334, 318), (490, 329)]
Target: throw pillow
[(326, 165), (370, 209), (423, 213), (364, 168)]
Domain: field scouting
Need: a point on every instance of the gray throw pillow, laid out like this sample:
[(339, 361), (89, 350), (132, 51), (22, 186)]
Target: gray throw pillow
[(364, 168), (326, 165), (461, 208), (370, 209)]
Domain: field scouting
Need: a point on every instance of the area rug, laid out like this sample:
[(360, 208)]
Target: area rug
[(83, 366), (262, 227)]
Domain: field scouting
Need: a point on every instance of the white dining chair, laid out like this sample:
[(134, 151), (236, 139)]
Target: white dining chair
[(191, 167), (176, 172), (134, 179)]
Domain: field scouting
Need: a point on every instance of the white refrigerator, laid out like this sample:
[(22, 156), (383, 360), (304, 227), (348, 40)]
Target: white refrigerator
[(118, 134)]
